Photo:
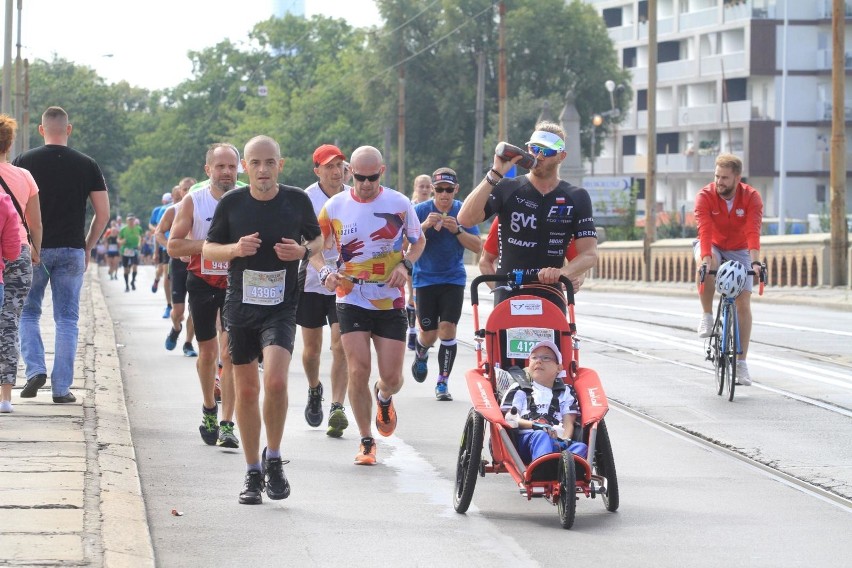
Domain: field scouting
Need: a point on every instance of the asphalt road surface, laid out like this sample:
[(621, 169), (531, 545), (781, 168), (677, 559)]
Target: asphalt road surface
[(764, 480)]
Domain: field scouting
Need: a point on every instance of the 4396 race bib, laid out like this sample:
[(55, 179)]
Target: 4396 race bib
[(263, 288)]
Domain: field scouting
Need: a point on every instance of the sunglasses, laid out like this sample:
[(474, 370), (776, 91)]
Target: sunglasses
[(449, 189), (373, 177), (542, 151)]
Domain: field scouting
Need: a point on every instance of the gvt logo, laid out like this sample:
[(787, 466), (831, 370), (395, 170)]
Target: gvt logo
[(520, 220)]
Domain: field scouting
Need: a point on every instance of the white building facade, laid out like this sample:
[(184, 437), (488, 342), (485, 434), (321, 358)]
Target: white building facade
[(720, 87)]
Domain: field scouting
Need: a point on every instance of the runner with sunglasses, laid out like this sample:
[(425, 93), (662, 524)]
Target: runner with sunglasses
[(538, 214), (367, 225), (440, 277)]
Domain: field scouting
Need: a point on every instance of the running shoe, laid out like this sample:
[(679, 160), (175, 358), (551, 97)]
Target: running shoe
[(209, 428), (189, 350), (168, 313), (277, 486), (385, 414), (252, 493), (366, 452), (441, 390), (171, 340), (337, 421), (227, 438), (217, 391), (6, 406), (705, 328), (155, 285), (133, 285), (412, 340), (313, 410), (743, 378), (420, 368)]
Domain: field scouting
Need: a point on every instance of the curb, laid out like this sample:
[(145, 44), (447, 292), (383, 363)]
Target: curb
[(125, 535)]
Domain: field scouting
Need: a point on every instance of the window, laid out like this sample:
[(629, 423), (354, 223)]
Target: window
[(820, 193), (668, 143), (736, 89), (642, 99), (613, 17), (628, 145), (668, 51), (629, 57)]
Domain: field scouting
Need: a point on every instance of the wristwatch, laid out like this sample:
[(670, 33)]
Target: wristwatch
[(460, 231), (307, 252), (407, 264)]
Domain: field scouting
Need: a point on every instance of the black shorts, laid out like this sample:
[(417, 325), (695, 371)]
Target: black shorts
[(246, 344), (205, 305), (440, 302), (391, 324), (177, 275), (162, 256), (128, 261), (316, 310)]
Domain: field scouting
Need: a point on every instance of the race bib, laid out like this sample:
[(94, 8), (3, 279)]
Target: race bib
[(263, 288), (129, 252), (112, 247), (521, 340), (214, 267)]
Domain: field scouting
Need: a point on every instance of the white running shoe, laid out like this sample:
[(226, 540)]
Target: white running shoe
[(6, 406), (743, 377), (705, 328)]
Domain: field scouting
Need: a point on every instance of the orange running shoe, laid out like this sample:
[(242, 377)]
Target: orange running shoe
[(366, 452), (385, 414)]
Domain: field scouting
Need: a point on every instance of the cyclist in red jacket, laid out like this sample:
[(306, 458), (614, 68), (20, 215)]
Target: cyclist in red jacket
[(729, 214)]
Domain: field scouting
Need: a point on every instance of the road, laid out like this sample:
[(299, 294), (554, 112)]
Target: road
[(764, 480)]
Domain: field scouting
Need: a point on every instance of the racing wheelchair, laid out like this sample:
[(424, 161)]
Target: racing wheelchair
[(512, 329)]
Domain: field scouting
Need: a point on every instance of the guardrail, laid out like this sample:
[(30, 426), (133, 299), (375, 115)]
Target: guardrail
[(792, 260)]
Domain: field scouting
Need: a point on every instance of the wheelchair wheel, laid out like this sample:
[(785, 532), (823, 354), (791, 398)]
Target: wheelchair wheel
[(605, 467), (470, 457), (567, 477)]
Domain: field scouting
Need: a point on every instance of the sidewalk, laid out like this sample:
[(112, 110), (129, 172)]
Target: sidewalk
[(69, 486)]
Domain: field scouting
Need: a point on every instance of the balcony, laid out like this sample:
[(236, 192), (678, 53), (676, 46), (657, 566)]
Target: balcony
[(711, 66), (698, 19), (665, 118), (700, 114), (664, 26), (824, 60), (825, 10), (676, 70), (823, 161), (737, 12), (737, 111), (621, 33), (824, 109)]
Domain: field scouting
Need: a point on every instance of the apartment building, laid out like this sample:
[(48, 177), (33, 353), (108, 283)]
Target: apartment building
[(720, 87)]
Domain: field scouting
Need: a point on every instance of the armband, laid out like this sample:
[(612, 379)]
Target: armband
[(490, 181), (496, 173)]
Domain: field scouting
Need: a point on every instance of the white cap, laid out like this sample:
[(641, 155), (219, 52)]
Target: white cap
[(550, 345)]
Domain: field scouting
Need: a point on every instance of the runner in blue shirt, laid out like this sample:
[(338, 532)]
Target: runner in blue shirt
[(440, 277)]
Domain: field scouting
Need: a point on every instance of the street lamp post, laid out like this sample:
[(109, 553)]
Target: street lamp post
[(614, 113), (597, 120)]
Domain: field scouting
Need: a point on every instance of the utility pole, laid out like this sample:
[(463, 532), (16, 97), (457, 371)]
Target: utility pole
[(651, 166), (839, 229), (19, 91), (400, 135), (480, 116), (6, 106), (503, 126)]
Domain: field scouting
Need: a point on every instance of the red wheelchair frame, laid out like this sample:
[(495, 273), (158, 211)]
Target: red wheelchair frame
[(557, 477)]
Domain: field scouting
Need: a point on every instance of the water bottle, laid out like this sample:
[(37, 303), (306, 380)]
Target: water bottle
[(507, 151)]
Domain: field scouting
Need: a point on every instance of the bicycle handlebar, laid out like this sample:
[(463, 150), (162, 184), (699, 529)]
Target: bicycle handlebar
[(516, 281), (762, 278)]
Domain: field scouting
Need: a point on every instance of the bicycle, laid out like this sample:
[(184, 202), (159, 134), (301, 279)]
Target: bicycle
[(723, 345)]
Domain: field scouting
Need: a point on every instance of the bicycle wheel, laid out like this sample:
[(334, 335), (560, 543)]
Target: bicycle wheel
[(567, 503), (731, 352), (717, 355), (605, 466), (470, 457)]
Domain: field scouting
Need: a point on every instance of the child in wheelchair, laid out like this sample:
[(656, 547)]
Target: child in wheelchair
[(541, 407)]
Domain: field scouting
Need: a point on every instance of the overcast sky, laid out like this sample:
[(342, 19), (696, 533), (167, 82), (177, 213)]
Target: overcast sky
[(145, 41)]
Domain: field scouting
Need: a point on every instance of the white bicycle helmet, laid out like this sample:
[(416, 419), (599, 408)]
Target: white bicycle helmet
[(731, 278)]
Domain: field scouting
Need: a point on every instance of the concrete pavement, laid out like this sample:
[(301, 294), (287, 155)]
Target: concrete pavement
[(69, 485)]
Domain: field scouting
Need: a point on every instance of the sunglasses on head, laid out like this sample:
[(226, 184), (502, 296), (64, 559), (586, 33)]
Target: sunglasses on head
[(373, 177), (445, 189), (542, 151)]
